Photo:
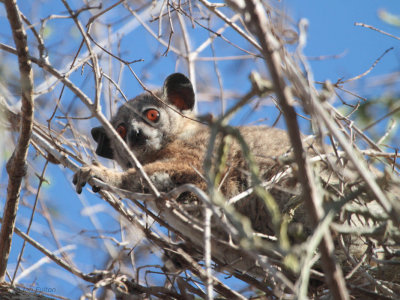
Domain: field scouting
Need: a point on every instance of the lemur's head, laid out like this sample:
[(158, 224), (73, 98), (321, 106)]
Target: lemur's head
[(145, 123)]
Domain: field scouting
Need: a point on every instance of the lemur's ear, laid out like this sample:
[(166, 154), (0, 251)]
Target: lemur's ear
[(103, 142), (178, 91)]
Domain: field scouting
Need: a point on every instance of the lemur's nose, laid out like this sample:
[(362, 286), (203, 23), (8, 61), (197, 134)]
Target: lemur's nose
[(136, 137)]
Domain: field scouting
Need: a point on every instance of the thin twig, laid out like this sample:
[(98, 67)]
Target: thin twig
[(369, 70), (41, 180), (376, 29)]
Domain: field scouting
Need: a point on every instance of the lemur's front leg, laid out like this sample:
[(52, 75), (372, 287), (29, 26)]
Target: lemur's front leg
[(164, 175), (98, 171)]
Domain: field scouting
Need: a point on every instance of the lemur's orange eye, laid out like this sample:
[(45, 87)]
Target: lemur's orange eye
[(152, 115), (121, 129)]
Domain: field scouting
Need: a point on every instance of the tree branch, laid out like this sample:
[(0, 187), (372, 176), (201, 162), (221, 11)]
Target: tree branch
[(17, 166), (256, 19)]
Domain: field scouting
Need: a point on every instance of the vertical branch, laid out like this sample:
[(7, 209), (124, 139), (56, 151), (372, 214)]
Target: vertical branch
[(189, 54), (21, 253), (17, 166), (96, 69), (255, 18), (207, 252)]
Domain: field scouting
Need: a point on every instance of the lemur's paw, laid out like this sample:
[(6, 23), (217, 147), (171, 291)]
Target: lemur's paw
[(85, 173)]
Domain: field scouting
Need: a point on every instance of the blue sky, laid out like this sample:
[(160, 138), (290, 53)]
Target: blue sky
[(331, 32)]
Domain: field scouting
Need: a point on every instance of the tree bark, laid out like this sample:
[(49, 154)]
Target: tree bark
[(17, 166)]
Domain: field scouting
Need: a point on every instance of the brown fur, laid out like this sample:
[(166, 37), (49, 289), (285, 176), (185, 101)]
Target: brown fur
[(172, 152), (180, 157)]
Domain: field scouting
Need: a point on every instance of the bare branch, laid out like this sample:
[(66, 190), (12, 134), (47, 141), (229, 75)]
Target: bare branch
[(256, 19), (17, 166)]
